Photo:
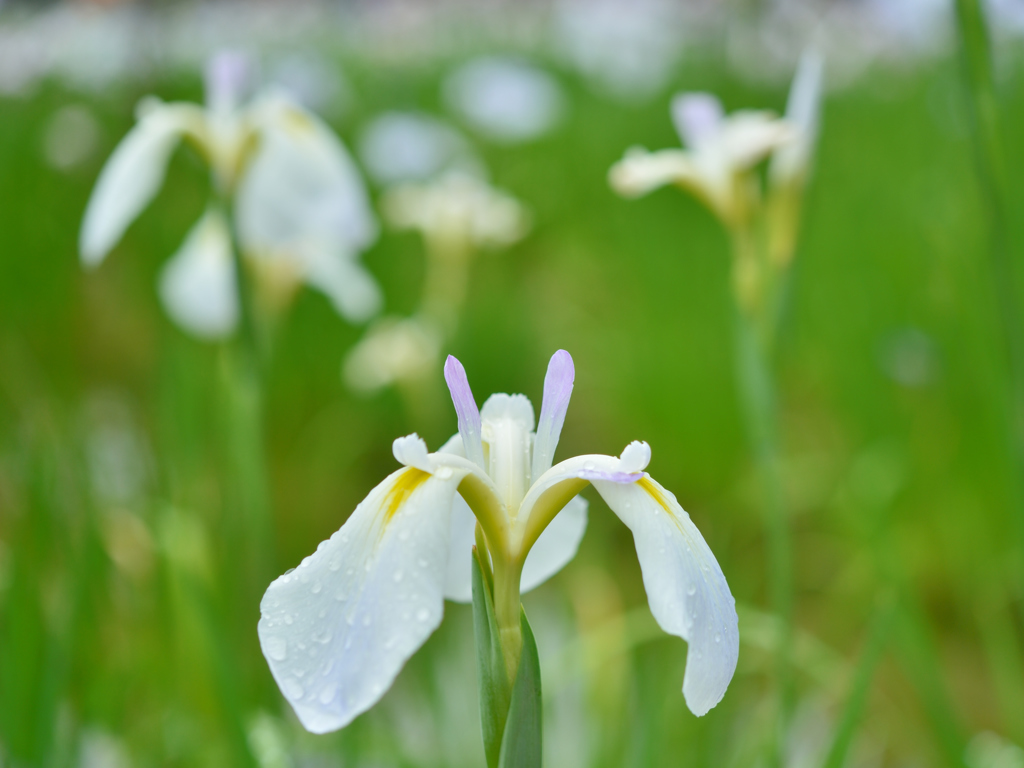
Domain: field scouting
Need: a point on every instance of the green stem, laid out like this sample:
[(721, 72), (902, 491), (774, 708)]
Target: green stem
[(759, 408), (507, 612), (878, 636), (988, 140)]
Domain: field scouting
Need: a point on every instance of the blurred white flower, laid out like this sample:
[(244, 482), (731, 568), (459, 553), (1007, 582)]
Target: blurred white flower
[(628, 49), (337, 630), (312, 81), (458, 207), (990, 750), (413, 146), (99, 749), (70, 137), (719, 149), (298, 199), (393, 350), (505, 99)]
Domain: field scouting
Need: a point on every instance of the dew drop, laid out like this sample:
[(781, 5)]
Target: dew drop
[(691, 590), (443, 473), (367, 620), (300, 673), (302, 646), (398, 576), (323, 613), (422, 563), (329, 667), (327, 694), (288, 619), (718, 638), (276, 648), (348, 642), (340, 596), (349, 571), (391, 643), (422, 614), (292, 689), (317, 586), (334, 564), (350, 620), (403, 535), (344, 538), (588, 465)]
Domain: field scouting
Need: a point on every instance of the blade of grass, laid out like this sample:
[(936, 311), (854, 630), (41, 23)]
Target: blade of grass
[(853, 710)]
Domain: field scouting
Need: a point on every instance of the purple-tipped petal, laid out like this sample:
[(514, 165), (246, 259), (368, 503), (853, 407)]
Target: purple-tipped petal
[(227, 76), (557, 392), (465, 409), (697, 117), (611, 477)]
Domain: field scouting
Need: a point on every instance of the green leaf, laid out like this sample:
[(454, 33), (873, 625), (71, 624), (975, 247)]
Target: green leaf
[(495, 692), (521, 745)]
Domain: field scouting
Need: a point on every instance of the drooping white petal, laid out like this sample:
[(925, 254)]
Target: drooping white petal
[(698, 118), (557, 391), (337, 630), (302, 200), (686, 589), (132, 176), (640, 171), (198, 283), (554, 549), (345, 281), (803, 110)]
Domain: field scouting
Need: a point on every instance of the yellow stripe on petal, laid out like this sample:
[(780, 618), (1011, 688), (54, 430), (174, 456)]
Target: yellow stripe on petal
[(400, 492)]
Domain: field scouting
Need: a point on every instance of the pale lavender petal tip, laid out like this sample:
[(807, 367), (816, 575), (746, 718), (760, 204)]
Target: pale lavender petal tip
[(557, 392), (610, 477), (465, 408), (697, 117), (227, 76)]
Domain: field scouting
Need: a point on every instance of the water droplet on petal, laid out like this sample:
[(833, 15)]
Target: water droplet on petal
[(423, 562), (398, 576), (335, 564), (691, 590), (292, 689), (329, 667), (323, 613), (422, 614), (288, 618), (718, 638), (403, 535), (367, 620), (317, 586), (276, 648), (327, 694)]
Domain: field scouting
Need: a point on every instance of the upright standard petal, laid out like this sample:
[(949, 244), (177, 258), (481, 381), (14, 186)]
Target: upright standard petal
[(337, 629), (557, 393), (697, 117), (686, 589), (198, 284), (803, 108), (466, 410), (133, 175)]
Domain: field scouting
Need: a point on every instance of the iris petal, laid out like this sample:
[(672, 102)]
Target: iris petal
[(337, 629), (686, 589)]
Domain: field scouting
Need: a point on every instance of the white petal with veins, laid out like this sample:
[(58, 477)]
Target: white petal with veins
[(337, 629), (132, 176), (686, 589)]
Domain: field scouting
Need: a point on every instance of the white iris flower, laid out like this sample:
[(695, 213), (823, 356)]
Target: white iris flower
[(301, 213), (337, 629)]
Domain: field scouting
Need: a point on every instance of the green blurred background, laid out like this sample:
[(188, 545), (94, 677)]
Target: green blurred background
[(128, 606)]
